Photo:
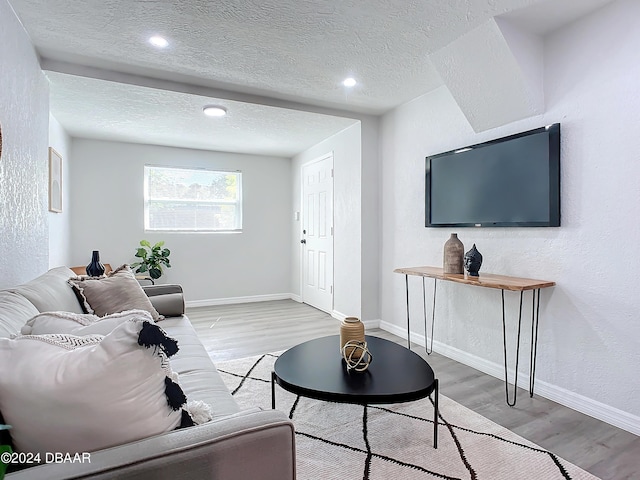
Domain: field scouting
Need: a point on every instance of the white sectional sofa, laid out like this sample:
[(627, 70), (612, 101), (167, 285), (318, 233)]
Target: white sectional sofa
[(236, 444)]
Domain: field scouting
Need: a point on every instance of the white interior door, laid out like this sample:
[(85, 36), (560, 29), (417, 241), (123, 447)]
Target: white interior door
[(317, 233)]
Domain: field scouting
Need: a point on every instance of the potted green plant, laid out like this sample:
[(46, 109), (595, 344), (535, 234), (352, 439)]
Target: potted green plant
[(5, 449), (152, 259)]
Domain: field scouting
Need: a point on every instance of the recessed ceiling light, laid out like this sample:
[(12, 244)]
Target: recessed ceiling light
[(214, 111), (349, 82), (158, 41)]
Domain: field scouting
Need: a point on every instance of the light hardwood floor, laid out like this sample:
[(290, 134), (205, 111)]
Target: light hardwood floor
[(237, 331)]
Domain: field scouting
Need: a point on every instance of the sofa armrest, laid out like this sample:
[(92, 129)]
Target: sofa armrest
[(250, 444), (168, 300)]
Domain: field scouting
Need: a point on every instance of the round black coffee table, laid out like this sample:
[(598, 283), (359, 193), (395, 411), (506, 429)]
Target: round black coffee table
[(315, 369)]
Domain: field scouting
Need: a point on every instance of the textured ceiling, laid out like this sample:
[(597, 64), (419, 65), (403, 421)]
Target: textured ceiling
[(115, 111), (296, 50)]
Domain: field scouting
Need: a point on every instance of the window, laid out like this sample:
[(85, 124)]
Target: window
[(192, 200)]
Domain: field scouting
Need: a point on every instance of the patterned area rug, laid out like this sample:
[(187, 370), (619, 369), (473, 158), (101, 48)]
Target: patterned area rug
[(339, 441)]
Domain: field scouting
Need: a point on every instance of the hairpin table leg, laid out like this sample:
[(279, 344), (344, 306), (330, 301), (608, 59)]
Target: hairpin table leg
[(535, 316), (406, 283), (428, 344), (504, 339)]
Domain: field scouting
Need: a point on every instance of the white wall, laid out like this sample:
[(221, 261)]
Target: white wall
[(107, 181), (60, 223), (589, 329), (370, 218), (24, 110), (346, 148)]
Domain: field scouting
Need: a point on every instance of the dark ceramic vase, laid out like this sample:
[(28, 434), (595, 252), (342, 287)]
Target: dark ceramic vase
[(95, 268), (473, 261)]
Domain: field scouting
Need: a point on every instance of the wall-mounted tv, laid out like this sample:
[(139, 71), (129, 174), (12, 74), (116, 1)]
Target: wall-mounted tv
[(509, 182)]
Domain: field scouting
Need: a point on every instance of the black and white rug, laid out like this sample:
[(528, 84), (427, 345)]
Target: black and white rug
[(341, 441)]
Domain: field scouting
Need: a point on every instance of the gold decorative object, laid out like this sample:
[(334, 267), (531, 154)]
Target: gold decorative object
[(351, 328), (356, 355)]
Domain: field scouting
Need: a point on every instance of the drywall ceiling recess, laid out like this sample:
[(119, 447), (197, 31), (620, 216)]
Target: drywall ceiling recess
[(502, 62), (214, 111)]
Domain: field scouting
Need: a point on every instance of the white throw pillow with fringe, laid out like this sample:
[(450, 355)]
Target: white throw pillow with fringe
[(79, 323), (66, 393)]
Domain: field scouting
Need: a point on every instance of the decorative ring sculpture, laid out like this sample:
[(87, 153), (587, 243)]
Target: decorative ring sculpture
[(356, 355)]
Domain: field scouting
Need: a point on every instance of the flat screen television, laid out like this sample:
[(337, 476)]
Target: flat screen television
[(509, 182)]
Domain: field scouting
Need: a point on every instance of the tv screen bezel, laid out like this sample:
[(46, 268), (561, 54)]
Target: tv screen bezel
[(554, 180)]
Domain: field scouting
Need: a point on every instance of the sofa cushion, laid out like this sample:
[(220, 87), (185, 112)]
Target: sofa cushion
[(79, 324), (50, 291), (117, 292), (15, 310), (198, 376), (65, 393), (167, 299)]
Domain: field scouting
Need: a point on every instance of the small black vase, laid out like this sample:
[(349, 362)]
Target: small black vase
[(473, 261), (95, 268)]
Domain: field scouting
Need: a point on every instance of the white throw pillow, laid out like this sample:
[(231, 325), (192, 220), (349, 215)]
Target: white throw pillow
[(80, 324), (65, 393)]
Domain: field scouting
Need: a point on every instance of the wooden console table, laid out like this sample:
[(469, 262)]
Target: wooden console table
[(487, 280)]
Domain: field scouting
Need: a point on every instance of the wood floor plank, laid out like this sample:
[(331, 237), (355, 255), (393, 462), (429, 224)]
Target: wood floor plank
[(236, 331)]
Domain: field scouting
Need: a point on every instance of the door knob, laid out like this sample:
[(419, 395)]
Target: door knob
[(303, 241)]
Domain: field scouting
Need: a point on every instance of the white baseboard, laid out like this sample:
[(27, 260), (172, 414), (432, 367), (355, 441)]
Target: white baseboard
[(367, 323), (338, 315), (371, 323), (580, 403), (233, 300)]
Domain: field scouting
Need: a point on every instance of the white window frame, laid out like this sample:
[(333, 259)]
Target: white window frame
[(237, 202)]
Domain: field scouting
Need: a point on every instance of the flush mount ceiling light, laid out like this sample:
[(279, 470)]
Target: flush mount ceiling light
[(214, 111), (349, 82), (158, 41)]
